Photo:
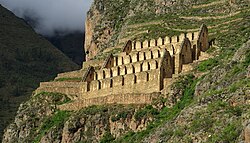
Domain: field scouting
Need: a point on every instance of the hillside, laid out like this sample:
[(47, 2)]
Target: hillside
[(26, 58), (210, 103), (71, 45)]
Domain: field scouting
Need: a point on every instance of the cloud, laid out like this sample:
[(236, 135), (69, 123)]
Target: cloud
[(51, 16)]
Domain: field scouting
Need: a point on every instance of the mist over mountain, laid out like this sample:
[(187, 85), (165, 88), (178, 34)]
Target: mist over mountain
[(60, 21), (51, 17)]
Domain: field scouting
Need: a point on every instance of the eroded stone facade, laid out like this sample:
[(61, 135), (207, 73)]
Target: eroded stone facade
[(141, 68)]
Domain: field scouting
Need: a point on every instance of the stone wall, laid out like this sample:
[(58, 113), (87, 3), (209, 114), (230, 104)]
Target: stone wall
[(73, 74), (142, 82), (111, 99), (73, 89), (129, 68), (93, 63), (135, 56)]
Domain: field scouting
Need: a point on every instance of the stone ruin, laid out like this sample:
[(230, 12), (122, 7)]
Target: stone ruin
[(133, 75)]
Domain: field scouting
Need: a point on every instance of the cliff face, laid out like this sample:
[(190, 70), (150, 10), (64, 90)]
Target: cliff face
[(108, 21), (112, 23), (208, 104)]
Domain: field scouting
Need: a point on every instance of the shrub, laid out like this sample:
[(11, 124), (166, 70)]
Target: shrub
[(229, 134), (120, 115), (57, 119), (247, 60), (179, 133), (107, 137), (207, 65), (146, 112), (203, 122), (92, 110)]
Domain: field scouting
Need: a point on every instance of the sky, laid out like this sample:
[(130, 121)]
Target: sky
[(51, 16)]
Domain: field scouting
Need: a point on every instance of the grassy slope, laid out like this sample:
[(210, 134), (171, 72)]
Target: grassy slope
[(212, 115), (25, 59)]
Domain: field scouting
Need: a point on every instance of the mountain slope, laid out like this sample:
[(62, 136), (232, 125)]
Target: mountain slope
[(26, 58), (71, 45), (208, 104)]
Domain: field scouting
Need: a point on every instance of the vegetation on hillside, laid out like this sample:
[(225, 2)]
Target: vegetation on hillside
[(26, 59)]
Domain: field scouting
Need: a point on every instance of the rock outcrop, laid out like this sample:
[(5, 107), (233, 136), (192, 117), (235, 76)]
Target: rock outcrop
[(39, 120), (247, 134), (108, 21)]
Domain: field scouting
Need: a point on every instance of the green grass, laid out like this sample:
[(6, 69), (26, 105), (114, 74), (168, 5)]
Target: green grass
[(146, 112), (207, 65), (58, 98), (107, 138), (214, 121), (120, 115), (239, 84), (164, 115), (247, 59), (201, 123), (228, 135), (56, 120)]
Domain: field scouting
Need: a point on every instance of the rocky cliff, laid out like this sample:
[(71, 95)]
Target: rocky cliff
[(210, 103), (111, 23), (108, 21)]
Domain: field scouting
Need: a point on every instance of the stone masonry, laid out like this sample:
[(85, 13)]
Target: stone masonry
[(140, 68)]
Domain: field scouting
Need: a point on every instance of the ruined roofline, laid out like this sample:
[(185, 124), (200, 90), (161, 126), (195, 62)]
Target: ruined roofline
[(138, 56), (194, 36), (162, 41), (131, 68)]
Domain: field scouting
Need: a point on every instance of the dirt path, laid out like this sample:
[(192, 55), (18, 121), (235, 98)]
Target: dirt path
[(209, 17), (224, 23), (209, 4), (212, 26), (144, 24)]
